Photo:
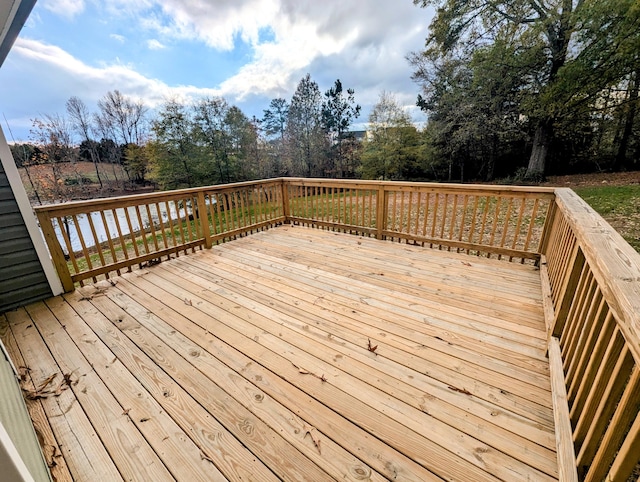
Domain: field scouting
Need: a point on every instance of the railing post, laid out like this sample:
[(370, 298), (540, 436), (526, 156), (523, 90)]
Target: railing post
[(381, 211), (55, 250), (203, 219), (286, 211)]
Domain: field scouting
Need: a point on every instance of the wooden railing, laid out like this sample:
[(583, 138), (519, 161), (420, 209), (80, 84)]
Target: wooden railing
[(505, 222), (592, 281), (590, 275), (91, 239)]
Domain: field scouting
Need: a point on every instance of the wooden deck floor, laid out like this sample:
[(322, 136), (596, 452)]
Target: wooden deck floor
[(251, 361)]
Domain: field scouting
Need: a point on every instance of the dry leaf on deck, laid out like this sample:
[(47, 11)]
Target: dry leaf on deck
[(308, 429), (460, 390), (372, 349)]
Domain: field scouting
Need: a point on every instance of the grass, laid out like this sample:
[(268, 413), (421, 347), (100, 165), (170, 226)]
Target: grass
[(619, 205)]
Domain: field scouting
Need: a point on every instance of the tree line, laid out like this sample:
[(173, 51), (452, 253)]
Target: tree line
[(517, 89)]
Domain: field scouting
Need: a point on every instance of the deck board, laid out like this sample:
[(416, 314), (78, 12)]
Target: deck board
[(250, 361)]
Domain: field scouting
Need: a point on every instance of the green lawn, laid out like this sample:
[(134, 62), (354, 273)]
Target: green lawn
[(619, 205)]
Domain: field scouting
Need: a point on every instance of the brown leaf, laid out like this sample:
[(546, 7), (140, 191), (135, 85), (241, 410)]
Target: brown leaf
[(311, 430), (460, 390), (46, 383), (23, 372), (188, 302), (372, 349)]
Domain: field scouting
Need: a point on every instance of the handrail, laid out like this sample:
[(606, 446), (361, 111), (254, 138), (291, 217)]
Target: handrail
[(103, 236), (592, 277), (113, 234), (503, 221)]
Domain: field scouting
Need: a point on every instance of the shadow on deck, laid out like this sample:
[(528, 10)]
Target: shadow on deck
[(295, 354)]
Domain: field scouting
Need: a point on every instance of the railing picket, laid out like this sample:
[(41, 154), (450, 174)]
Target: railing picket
[(67, 243), (170, 223), (585, 384), (152, 227), (112, 250), (163, 230), (615, 384)]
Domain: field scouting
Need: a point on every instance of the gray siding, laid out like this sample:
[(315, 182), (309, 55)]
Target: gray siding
[(22, 280)]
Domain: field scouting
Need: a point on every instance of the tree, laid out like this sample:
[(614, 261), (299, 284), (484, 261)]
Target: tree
[(274, 122), (210, 123), (54, 147), (173, 149), (338, 112), (566, 53), (124, 117), (305, 137), (473, 106), (241, 135), (80, 120), (392, 149)]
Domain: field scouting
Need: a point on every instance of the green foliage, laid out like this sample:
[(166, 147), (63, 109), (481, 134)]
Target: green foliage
[(544, 76), (305, 138), (339, 110), (394, 147)]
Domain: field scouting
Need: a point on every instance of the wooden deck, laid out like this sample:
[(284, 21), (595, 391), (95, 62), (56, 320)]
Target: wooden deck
[(295, 354)]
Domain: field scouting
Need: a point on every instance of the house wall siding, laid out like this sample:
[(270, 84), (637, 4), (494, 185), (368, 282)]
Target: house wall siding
[(22, 279)]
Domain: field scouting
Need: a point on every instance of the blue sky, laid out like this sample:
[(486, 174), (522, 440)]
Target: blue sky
[(248, 51)]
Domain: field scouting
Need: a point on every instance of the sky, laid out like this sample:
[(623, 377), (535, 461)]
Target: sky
[(247, 51)]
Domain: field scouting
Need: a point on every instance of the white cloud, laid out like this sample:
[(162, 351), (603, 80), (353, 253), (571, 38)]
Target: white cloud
[(364, 44), (69, 76), (64, 8), (155, 44)]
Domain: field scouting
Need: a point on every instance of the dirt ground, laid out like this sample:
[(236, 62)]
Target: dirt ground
[(594, 179)]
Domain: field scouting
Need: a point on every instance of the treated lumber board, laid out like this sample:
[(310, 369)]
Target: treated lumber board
[(216, 443), (367, 296), (409, 442), (82, 448), (328, 327), (180, 455), (512, 296), (379, 455), (564, 433), (51, 450), (254, 327), (398, 256), (335, 460), (262, 440), (533, 394), (423, 270), (277, 285), (127, 447), (374, 284), (448, 352), (504, 398), (408, 252), (323, 345)]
